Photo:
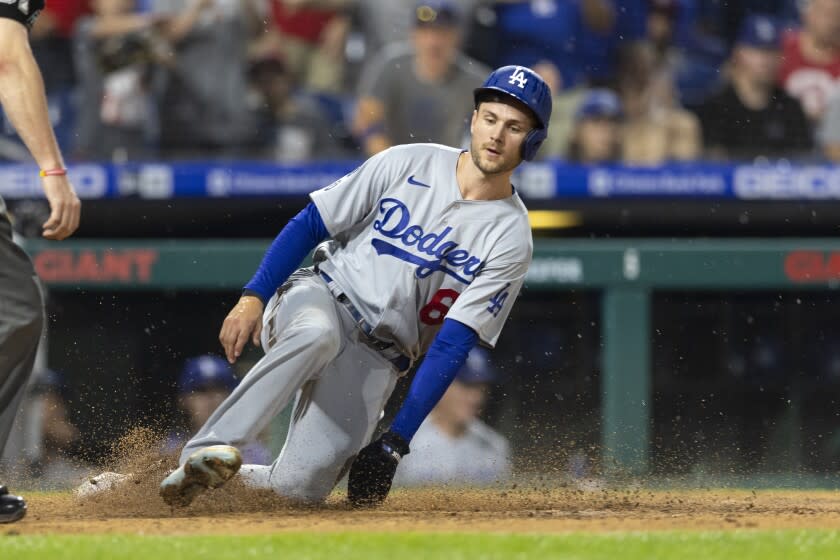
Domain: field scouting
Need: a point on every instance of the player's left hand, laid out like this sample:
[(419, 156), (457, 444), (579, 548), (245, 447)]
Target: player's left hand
[(373, 470)]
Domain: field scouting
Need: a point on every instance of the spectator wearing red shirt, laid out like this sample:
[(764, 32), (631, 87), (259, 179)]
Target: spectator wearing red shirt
[(310, 36), (59, 18), (810, 69)]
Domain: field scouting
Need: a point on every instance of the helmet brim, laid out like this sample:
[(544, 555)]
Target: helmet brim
[(520, 103)]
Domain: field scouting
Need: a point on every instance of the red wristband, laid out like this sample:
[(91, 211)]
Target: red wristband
[(52, 172)]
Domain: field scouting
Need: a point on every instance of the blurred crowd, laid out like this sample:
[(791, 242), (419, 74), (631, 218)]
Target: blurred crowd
[(634, 81)]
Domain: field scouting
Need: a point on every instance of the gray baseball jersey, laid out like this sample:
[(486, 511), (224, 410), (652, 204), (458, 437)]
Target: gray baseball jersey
[(412, 251)]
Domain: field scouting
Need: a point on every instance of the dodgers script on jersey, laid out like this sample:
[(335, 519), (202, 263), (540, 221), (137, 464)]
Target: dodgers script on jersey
[(434, 254)]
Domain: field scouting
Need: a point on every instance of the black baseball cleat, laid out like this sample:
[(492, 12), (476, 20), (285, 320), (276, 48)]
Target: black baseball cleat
[(12, 508)]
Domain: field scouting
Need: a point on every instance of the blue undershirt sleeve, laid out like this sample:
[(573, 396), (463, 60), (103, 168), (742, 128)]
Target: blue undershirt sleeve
[(445, 357), (287, 251)]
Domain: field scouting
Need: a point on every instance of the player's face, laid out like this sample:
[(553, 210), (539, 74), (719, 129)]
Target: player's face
[(201, 404), (462, 402), (498, 131)]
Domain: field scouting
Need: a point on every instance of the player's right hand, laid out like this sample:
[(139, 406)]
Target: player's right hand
[(243, 322), (373, 470), (65, 207)]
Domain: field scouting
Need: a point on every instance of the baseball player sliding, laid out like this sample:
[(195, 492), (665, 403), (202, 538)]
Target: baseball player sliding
[(429, 249)]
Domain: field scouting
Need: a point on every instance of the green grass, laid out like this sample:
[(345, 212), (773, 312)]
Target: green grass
[(740, 545)]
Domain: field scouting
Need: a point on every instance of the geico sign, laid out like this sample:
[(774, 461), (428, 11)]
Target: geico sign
[(124, 266), (787, 183), (812, 266)]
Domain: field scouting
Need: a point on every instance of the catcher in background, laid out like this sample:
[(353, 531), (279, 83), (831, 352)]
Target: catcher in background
[(21, 303), (453, 446), (203, 384)]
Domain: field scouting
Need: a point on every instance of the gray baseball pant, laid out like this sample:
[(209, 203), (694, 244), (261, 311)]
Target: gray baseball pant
[(315, 351), (21, 321)]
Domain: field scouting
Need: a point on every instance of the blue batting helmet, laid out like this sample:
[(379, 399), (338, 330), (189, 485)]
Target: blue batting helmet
[(478, 368), (206, 371), (526, 86)]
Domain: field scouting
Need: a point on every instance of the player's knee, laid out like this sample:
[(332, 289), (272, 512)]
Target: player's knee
[(310, 483), (307, 486), (324, 338)]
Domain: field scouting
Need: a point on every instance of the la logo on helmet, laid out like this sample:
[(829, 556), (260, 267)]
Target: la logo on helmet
[(518, 78)]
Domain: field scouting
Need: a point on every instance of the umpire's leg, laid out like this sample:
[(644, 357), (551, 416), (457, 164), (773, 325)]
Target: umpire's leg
[(21, 321)]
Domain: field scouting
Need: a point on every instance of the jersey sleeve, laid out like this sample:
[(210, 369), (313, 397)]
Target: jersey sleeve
[(485, 305), (349, 200), (24, 11)]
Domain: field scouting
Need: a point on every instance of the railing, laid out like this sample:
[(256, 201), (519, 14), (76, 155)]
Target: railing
[(535, 181)]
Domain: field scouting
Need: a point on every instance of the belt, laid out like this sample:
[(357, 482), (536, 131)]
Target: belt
[(387, 350)]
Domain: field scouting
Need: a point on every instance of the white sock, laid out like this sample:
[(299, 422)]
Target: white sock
[(256, 476)]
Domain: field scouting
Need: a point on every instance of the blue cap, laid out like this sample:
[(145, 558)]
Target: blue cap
[(206, 371), (436, 13), (478, 368), (599, 103), (759, 31)]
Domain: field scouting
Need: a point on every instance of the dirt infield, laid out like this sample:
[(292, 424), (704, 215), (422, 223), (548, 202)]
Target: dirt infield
[(136, 508), (238, 511)]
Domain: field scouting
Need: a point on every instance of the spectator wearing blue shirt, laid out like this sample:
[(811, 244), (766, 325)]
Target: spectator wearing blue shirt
[(692, 60), (556, 31)]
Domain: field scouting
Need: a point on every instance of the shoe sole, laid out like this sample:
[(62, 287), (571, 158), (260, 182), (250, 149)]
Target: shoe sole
[(206, 468)]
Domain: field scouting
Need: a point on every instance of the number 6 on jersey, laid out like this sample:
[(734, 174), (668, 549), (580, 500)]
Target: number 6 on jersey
[(434, 312)]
